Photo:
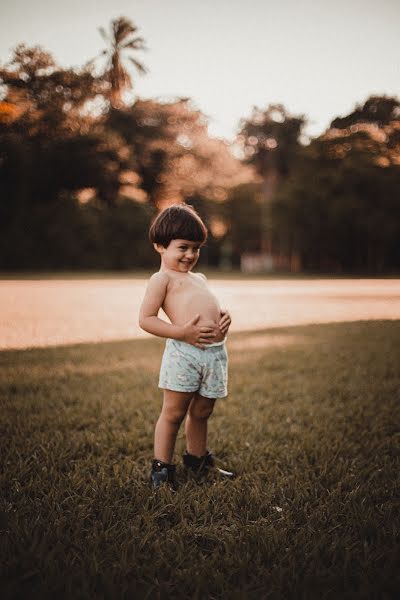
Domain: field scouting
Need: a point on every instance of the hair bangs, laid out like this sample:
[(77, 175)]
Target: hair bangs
[(179, 221)]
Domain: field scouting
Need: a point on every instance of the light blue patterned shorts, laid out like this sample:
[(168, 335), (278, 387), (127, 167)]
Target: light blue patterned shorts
[(186, 368)]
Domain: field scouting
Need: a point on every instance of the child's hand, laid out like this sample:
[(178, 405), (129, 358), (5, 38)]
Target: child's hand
[(197, 335), (225, 321)]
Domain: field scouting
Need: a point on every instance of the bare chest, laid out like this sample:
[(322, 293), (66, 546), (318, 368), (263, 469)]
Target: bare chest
[(188, 296)]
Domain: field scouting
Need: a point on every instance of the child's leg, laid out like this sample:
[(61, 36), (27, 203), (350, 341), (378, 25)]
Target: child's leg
[(175, 406), (199, 411)]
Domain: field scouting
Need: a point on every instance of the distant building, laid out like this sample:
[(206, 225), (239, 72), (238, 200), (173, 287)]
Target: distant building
[(262, 262), (256, 263)]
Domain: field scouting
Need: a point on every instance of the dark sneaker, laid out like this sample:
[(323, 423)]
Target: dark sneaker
[(205, 464), (162, 472)]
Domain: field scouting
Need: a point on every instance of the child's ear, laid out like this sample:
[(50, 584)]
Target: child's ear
[(159, 248)]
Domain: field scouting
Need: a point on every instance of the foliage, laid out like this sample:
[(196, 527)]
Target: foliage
[(172, 152), (244, 210), (47, 101), (63, 146), (73, 144), (270, 139), (339, 208)]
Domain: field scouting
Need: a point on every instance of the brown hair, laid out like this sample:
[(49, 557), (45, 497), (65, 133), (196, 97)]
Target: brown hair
[(179, 221)]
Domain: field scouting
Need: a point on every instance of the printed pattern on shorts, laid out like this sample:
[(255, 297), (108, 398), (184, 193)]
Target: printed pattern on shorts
[(186, 368)]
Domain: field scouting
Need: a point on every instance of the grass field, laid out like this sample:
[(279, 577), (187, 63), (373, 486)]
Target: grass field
[(311, 426)]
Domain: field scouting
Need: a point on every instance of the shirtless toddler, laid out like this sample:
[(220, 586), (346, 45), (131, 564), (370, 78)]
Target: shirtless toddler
[(193, 371)]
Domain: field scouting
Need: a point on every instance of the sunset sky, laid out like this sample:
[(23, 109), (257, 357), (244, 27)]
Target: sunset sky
[(319, 59)]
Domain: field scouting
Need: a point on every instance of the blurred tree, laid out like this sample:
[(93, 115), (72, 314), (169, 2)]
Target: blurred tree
[(244, 208), (339, 208), (50, 148), (173, 154), (123, 46), (55, 140), (43, 100), (373, 128), (55, 151), (80, 177), (270, 140)]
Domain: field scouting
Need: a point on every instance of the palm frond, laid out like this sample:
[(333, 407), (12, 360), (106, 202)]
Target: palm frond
[(103, 34), (141, 68), (122, 28), (136, 44)]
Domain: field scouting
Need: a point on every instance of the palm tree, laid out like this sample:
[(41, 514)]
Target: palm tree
[(121, 40)]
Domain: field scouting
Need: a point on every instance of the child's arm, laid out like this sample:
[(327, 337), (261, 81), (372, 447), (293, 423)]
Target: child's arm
[(150, 322), (152, 302)]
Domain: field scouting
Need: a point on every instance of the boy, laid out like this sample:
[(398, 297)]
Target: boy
[(193, 371)]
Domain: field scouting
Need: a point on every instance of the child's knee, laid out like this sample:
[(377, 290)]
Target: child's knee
[(174, 415), (201, 408)]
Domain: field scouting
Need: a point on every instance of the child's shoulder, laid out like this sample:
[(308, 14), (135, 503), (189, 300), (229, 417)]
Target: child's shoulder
[(160, 276), (201, 275), (159, 279)]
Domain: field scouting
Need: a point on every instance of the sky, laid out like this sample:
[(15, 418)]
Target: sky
[(319, 59)]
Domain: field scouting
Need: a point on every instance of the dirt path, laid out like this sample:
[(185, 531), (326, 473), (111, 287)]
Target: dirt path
[(55, 311)]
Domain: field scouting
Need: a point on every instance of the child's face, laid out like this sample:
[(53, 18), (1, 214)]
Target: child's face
[(180, 255)]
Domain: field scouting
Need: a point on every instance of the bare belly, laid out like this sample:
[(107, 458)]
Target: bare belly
[(205, 305)]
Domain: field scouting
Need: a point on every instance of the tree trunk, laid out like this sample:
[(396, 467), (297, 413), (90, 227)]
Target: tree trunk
[(270, 184)]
